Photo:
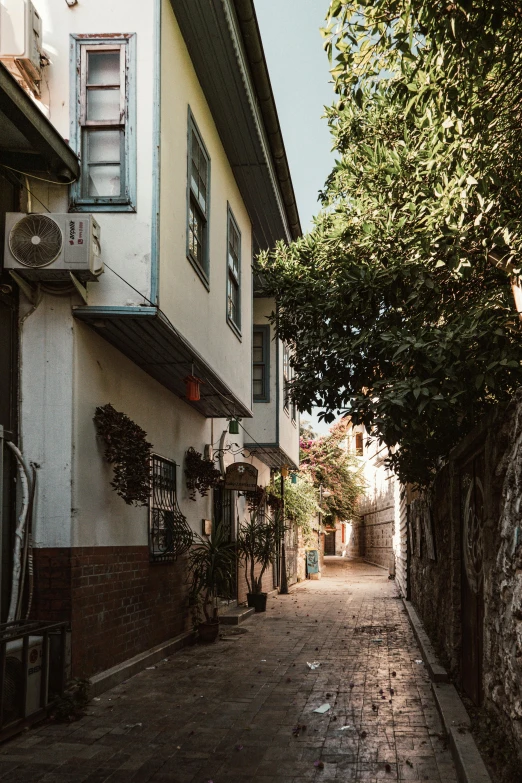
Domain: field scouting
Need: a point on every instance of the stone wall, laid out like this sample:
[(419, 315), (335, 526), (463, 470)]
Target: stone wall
[(466, 540)]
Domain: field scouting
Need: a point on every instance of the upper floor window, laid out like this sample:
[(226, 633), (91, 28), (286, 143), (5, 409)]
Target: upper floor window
[(103, 131), (288, 377), (198, 202), (261, 363), (233, 273), (359, 449)]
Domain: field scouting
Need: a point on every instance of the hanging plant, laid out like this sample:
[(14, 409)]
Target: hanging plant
[(200, 473), (128, 451)]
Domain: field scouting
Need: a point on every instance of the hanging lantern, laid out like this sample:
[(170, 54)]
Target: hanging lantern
[(284, 471), (233, 427), (192, 390), (294, 478)]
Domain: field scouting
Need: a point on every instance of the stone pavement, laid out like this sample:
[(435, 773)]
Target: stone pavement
[(242, 710)]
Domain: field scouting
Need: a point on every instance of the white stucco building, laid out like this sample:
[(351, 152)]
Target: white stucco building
[(168, 106)]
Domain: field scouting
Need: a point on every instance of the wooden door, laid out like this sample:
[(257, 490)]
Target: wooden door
[(472, 585), (329, 543)]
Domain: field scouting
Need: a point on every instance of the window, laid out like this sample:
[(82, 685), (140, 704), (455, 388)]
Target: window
[(261, 363), (169, 533), (233, 273), (359, 450), (288, 378), (103, 131), (198, 202)]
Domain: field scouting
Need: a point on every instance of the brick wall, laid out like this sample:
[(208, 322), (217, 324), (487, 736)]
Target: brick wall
[(118, 603)]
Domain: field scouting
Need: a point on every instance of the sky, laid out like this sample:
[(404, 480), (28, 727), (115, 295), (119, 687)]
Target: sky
[(299, 72)]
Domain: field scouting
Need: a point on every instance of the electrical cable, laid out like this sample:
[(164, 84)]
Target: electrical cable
[(232, 414), (41, 179)]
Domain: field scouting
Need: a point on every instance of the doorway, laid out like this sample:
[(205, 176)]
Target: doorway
[(329, 543)]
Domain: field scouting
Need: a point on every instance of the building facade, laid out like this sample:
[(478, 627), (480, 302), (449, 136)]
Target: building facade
[(168, 109)]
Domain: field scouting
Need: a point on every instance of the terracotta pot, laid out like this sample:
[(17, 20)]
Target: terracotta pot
[(257, 600), (208, 632)]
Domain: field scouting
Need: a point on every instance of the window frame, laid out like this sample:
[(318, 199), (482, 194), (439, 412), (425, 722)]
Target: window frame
[(235, 326), (81, 45), (289, 406), (203, 271), (264, 329)]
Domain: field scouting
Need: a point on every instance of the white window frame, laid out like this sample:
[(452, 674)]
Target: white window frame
[(125, 43)]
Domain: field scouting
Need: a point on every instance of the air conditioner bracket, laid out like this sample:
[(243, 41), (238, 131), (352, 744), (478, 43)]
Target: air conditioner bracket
[(32, 292), (82, 289)]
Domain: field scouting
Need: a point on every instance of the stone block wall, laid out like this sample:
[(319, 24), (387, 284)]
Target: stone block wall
[(439, 567)]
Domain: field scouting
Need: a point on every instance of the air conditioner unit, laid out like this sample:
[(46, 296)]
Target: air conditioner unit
[(46, 248), (20, 39), (15, 676)]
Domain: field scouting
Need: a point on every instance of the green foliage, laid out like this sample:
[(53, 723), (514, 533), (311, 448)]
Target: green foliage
[(301, 501), (211, 565), (72, 704), (257, 545), (398, 302), (200, 474), (331, 467), (127, 449)]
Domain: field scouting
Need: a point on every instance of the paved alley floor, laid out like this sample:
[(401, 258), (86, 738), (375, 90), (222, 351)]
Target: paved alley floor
[(242, 710)]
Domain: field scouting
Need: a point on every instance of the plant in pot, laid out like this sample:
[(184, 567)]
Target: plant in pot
[(211, 563), (257, 546)]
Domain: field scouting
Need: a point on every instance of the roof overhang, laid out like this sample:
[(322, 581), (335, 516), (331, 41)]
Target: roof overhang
[(224, 43), (271, 454), (28, 141), (148, 339)]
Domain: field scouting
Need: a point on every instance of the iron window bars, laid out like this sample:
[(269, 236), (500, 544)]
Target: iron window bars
[(169, 533)]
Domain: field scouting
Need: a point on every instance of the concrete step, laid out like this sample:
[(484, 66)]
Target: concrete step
[(236, 616)]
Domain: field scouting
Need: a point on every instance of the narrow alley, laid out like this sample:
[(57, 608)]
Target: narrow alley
[(242, 710)]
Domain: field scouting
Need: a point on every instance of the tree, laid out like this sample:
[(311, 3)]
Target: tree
[(398, 303), (330, 466)]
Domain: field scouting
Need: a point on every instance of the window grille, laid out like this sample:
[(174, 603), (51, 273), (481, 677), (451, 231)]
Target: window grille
[(169, 533), (104, 128)]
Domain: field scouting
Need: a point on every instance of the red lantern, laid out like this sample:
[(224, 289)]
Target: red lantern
[(192, 392)]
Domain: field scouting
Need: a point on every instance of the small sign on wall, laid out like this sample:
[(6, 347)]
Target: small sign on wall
[(241, 476), (207, 527)]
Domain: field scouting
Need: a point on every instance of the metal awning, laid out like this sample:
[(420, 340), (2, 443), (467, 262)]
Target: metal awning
[(28, 141), (146, 337), (271, 454)]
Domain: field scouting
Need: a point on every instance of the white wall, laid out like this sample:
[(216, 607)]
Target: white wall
[(126, 237), (200, 314)]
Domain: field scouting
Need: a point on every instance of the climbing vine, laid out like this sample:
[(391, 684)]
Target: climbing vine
[(128, 451)]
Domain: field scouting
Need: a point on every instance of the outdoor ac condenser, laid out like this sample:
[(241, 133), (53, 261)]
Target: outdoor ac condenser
[(15, 675), (42, 247), (20, 39)]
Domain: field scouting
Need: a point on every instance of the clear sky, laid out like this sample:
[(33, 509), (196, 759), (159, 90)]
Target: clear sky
[(299, 72)]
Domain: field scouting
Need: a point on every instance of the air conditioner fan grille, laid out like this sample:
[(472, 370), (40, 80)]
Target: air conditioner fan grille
[(35, 241)]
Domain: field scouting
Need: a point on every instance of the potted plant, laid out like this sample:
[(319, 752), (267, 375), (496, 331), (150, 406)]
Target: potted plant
[(211, 564), (257, 545)]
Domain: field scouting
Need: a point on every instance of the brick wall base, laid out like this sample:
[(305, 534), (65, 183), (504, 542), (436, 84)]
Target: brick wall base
[(117, 602)]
